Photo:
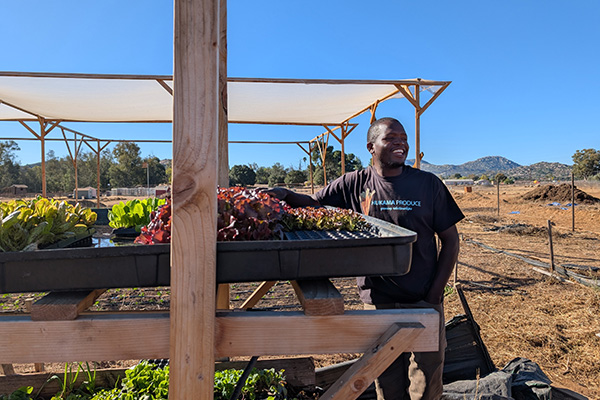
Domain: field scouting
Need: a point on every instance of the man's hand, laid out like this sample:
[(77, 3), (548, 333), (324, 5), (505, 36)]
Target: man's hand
[(277, 192), (292, 198), (446, 261)]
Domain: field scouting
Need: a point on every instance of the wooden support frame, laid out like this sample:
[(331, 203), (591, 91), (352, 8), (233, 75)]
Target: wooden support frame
[(61, 306), (319, 297), (130, 336), (258, 294), (396, 340)]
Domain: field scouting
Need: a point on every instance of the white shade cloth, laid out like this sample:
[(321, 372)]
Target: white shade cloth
[(118, 98)]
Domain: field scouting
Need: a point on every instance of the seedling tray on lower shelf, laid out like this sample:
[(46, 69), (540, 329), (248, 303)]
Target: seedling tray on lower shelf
[(385, 250)]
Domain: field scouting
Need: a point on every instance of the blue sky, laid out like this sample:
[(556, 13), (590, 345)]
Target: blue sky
[(525, 74)]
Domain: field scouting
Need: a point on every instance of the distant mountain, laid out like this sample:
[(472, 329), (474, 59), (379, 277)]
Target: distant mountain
[(542, 170), (492, 165)]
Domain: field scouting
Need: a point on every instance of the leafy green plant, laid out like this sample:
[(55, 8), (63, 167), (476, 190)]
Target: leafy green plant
[(327, 219), (22, 393), (261, 384), (27, 225), (133, 213), (68, 383), (147, 381), (144, 381)]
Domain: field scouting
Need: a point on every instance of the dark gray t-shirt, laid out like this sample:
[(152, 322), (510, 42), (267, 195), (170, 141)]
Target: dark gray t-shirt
[(416, 200)]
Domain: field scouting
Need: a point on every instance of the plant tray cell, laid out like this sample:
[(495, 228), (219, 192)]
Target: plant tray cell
[(81, 240), (384, 250)]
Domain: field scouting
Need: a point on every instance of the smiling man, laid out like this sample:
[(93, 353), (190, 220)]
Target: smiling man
[(417, 200)]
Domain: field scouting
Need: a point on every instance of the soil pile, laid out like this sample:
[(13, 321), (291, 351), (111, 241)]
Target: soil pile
[(559, 193)]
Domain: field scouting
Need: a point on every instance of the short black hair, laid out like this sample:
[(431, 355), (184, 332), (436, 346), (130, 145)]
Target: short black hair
[(375, 128)]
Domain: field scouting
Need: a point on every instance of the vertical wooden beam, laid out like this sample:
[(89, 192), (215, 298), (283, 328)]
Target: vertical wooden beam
[(76, 153), (343, 136), (223, 289), (98, 175), (195, 170), (43, 149), (312, 181), (418, 154)]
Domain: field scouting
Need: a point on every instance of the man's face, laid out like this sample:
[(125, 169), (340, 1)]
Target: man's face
[(390, 147)]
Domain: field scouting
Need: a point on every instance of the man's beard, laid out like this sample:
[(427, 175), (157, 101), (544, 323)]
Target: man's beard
[(393, 164)]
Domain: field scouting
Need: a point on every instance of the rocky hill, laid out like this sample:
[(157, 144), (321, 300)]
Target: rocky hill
[(492, 165)]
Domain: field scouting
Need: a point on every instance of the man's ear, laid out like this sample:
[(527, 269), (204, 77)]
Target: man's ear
[(370, 147)]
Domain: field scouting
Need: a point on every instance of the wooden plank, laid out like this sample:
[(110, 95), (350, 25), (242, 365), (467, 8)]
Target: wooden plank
[(56, 306), (7, 369), (277, 333), (195, 169), (132, 336), (258, 294), (88, 338), (397, 339), (299, 371), (319, 297)]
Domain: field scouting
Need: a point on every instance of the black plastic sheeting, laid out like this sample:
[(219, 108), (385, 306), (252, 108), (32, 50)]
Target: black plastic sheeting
[(465, 358), (520, 379)]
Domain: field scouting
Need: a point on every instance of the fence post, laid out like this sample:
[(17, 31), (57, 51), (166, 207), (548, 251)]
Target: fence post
[(551, 247)]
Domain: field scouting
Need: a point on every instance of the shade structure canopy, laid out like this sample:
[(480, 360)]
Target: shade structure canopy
[(145, 98)]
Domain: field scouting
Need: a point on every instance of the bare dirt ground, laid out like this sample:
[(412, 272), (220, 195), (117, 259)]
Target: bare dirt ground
[(521, 312)]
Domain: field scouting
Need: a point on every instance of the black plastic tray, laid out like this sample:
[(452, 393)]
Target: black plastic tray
[(386, 250)]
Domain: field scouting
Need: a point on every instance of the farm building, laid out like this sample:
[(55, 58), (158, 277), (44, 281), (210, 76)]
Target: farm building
[(16, 190), (85, 193), (458, 182)]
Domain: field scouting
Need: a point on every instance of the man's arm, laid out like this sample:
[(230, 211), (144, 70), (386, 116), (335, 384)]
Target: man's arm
[(292, 198), (446, 261)]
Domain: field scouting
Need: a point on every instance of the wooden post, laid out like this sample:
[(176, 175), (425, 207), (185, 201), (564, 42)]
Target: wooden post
[(43, 148), (310, 169), (195, 169), (498, 194), (98, 175), (223, 289), (572, 202), (75, 154), (552, 268), (343, 136), (418, 154)]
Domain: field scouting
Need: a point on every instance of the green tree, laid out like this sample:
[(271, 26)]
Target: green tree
[(294, 177), (9, 168), (457, 176), (60, 175), (127, 171), (87, 169), (32, 177), (333, 164), (241, 175), (262, 175), (586, 163), (158, 172), (500, 177), (277, 175)]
